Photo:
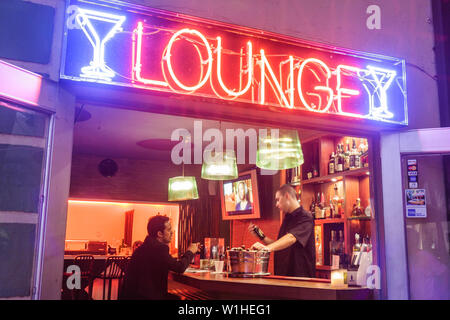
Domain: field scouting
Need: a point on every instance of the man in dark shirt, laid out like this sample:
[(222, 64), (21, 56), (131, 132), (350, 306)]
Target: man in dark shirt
[(146, 275), (294, 248)]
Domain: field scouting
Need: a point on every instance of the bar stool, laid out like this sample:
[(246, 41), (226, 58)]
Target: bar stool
[(85, 263), (114, 270)]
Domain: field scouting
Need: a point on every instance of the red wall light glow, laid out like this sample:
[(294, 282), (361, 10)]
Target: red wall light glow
[(19, 85)]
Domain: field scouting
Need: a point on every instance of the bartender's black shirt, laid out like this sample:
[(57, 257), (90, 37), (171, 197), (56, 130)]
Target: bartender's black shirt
[(298, 260), (146, 275)]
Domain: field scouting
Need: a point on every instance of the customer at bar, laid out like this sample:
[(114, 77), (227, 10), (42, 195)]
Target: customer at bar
[(146, 276), (294, 249)]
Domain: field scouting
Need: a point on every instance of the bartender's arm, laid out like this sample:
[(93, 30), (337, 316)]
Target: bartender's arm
[(284, 242), (266, 240)]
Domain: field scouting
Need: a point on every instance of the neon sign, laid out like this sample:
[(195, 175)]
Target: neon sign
[(160, 51)]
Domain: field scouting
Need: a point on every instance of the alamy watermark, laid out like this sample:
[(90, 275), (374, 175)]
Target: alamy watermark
[(374, 20), (74, 280), (189, 149)]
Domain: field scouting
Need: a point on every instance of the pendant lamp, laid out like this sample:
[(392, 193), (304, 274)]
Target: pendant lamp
[(221, 166), (182, 188), (278, 150)]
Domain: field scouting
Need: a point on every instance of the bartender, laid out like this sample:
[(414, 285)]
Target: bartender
[(294, 249)]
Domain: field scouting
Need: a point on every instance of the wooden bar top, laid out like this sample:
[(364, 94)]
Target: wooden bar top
[(271, 287)]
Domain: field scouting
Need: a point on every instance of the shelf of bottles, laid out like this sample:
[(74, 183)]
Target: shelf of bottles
[(333, 184)]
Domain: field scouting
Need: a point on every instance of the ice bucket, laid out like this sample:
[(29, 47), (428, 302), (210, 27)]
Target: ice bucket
[(247, 262)]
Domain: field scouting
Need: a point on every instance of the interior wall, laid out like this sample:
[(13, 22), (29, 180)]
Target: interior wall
[(135, 180), (142, 212), (270, 216), (105, 221), (96, 221)]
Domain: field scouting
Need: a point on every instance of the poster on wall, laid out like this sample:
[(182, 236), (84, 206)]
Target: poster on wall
[(416, 205)]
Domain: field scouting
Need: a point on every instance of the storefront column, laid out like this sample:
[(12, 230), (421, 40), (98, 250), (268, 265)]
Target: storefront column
[(49, 271), (394, 224)]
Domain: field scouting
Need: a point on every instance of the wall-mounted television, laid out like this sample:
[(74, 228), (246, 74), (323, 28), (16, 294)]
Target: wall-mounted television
[(240, 198)]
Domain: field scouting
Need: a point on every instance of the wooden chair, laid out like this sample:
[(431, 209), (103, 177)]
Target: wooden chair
[(114, 270), (85, 263), (125, 264)]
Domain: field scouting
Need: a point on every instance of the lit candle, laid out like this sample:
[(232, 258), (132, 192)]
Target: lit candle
[(337, 277)]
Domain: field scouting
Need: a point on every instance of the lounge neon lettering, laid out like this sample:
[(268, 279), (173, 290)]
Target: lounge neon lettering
[(168, 58), (137, 65), (318, 88), (249, 69), (342, 90), (264, 63), (375, 80)]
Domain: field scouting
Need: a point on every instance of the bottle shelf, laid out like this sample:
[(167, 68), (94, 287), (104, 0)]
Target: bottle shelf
[(325, 221), (351, 187), (338, 175)]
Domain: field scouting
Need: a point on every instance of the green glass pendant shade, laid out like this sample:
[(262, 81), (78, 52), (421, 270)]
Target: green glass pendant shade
[(221, 166), (279, 150), (182, 188)]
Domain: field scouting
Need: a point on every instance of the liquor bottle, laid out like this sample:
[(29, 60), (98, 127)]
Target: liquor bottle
[(352, 156), (357, 212), (331, 164), (332, 213), (342, 258), (334, 246), (364, 155), (258, 232), (336, 158), (356, 156), (325, 209), (347, 158), (353, 153), (318, 208), (356, 251), (322, 201), (335, 202), (368, 210), (299, 195), (369, 244), (312, 208), (340, 160), (319, 258)]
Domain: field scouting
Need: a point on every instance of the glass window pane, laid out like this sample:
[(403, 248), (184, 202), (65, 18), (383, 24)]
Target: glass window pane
[(17, 241), (20, 172), (428, 237), (23, 144), (16, 120)]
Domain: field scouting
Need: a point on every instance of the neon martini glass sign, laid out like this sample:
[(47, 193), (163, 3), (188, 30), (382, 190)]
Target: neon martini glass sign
[(231, 66), (97, 68)]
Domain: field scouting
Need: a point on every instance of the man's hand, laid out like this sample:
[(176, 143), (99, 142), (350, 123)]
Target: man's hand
[(259, 246), (194, 247)]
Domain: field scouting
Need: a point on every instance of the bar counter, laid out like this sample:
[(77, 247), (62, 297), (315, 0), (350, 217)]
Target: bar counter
[(270, 287)]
